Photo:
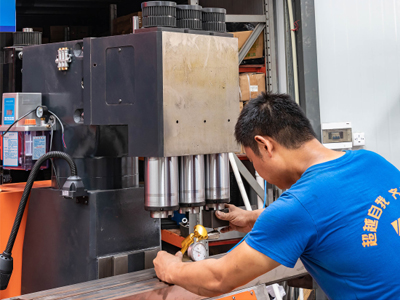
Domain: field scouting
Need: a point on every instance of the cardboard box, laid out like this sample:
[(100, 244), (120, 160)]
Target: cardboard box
[(257, 51), (251, 85), (123, 25)]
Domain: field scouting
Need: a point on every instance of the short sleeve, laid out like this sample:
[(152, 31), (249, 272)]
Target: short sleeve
[(283, 231)]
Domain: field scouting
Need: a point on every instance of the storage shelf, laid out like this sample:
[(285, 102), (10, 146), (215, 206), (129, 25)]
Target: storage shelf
[(252, 69)]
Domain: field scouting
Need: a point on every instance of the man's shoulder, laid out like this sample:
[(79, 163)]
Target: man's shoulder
[(358, 163)]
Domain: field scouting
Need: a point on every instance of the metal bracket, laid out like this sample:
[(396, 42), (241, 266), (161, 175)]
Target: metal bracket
[(250, 41), (249, 177), (245, 18)]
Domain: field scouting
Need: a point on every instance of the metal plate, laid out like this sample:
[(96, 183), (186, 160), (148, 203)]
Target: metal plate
[(183, 93), (120, 65), (200, 93), (73, 236)]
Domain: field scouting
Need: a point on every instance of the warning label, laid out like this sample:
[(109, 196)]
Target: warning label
[(39, 147), (10, 149)]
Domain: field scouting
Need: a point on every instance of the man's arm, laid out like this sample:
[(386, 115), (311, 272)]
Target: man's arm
[(212, 277)]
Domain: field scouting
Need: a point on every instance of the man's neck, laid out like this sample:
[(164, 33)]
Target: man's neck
[(309, 154)]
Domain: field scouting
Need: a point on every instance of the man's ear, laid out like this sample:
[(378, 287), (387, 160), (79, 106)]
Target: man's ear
[(264, 144)]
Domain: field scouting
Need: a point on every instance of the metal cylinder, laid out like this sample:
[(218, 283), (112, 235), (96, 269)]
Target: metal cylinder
[(217, 180), (192, 184), (161, 190)]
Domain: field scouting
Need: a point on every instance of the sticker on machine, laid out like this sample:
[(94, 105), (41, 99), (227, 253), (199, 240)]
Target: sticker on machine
[(10, 149), (39, 147), (8, 111)]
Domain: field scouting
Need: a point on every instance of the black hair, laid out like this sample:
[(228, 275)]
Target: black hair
[(276, 116)]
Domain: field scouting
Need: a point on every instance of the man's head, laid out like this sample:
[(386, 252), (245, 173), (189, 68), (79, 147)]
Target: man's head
[(269, 127)]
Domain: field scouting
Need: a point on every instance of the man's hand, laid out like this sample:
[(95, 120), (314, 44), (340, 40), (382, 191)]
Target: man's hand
[(239, 219), (165, 263)]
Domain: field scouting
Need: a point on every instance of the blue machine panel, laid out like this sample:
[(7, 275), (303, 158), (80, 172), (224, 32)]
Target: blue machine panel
[(9, 111), (7, 16)]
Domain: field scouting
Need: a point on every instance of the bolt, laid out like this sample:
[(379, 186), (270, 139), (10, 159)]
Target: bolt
[(251, 293), (120, 100), (233, 298), (119, 49)]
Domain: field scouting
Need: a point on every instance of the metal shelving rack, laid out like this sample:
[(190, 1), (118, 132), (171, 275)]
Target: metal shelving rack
[(249, 12)]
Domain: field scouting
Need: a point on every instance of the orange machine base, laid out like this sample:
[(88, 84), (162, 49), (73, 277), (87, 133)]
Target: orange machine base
[(10, 196)]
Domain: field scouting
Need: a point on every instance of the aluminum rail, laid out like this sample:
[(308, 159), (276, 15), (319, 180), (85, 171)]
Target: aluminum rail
[(245, 18)]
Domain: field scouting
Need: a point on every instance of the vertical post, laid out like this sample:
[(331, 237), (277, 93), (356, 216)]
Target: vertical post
[(260, 181), (135, 23), (307, 60), (193, 221), (280, 46), (113, 16), (270, 47)]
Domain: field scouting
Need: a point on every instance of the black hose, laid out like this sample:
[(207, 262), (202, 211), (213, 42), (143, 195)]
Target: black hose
[(27, 191)]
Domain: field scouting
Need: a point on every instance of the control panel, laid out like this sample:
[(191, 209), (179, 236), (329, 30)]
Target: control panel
[(337, 135)]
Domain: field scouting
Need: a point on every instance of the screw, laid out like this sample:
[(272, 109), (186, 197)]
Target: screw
[(233, 298), (120, 100), (251, 293), (119, 49)]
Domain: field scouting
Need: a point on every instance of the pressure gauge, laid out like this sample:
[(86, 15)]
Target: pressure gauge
[(197, 251), (40, 111)]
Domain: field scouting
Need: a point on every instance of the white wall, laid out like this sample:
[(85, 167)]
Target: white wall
[(358, 50)]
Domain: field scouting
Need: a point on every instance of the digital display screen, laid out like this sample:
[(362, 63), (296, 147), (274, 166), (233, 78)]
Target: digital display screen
[(7, 16)]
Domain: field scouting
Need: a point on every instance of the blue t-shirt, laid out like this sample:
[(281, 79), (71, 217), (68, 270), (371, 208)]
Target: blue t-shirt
[(342, 219)]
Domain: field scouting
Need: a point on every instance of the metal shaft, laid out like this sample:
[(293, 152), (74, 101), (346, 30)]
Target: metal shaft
[(192, 183), (217, 180), (161, 186)]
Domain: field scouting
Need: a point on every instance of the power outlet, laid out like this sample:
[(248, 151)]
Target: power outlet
[(358, 139)]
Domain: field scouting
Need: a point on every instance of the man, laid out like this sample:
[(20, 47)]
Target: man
[(340, 214)]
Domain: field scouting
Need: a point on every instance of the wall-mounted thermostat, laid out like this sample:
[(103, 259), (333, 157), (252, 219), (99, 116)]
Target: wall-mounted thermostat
[(337, 135)]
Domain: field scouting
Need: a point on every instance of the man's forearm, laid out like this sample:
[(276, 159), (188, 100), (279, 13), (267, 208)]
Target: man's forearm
[(213, 277), (204, 278)]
